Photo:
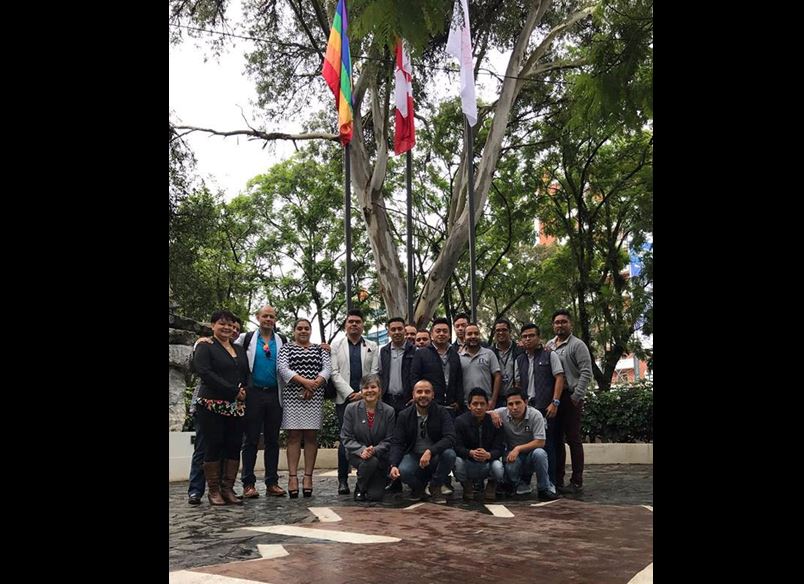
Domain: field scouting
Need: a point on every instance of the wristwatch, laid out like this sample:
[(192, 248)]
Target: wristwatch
[(556, 402)]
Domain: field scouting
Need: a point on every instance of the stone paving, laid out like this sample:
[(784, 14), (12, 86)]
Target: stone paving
[(613, 501)]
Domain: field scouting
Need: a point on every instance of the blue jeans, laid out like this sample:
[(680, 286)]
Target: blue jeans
[(467, 469), (523, 468), (198, 481), (436, 472)]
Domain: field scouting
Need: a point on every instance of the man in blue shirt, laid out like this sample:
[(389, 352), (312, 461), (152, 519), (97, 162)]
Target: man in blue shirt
[(263, 404)]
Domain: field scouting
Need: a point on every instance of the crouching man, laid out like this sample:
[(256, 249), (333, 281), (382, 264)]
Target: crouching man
[(422, 448), (479, 446), (524, 429)]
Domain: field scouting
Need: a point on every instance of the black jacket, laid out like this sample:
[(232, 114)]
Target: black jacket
[(427, 365), (439, 427), (220, 373), (468, 436)]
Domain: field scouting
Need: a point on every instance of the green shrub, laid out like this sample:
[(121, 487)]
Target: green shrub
[(189, 421), (623, 414), (329, 435)]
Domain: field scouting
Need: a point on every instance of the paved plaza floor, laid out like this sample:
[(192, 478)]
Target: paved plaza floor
[(603, 535)]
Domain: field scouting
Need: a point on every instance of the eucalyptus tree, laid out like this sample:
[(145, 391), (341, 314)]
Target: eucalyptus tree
[(286, 65)]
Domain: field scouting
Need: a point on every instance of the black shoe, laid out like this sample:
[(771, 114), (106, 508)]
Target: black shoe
[(416, 495), (360, 495), (195, 499), (548, 496), (571, 489), (394, 486), (560, 488), (343, 487)]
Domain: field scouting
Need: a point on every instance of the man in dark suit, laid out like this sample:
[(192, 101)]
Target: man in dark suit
[(368, 426), (440, 364)]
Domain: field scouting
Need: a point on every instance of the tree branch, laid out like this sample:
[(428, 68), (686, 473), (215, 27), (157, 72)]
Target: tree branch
[(259, 135)]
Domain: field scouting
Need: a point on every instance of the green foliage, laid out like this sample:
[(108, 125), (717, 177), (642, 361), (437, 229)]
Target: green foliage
[(329, 436), (209, 262), (189, 421), (623, 414), (588, 128)]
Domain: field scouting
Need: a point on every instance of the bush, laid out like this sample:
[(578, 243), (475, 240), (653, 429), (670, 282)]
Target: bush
[(623, 414), (329, 434), (189, 421)]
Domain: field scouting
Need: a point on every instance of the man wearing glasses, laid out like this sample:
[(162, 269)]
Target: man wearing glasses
[(577, 363), (540, 377), (507, 352), (422, 448), (263, 403)]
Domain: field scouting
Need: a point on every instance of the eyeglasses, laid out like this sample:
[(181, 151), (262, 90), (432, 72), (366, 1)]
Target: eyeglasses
[(423, 428)]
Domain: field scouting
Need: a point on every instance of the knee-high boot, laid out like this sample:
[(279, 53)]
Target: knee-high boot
[(212, 472), (230, 468)]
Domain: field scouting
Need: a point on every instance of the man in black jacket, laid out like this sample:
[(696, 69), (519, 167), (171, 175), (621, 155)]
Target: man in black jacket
[(440, 364), (479, 446), (422, 448)]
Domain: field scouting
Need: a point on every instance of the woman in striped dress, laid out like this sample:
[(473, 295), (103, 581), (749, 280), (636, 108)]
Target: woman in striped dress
[(305, 369)]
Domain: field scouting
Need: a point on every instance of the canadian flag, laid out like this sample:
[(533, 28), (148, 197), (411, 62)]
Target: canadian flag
[(405, 135)]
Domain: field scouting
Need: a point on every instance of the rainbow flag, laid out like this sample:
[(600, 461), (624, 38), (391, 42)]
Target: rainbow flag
[(337, 70)]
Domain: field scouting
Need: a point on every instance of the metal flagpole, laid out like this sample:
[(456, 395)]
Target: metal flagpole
[(347, 196), (410, 236), (470, 193)]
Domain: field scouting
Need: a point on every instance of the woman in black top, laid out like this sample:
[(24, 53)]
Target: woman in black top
[(220, 406)]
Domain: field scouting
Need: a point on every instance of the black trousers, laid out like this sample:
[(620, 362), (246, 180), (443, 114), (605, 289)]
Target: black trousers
[(222, 435), (263, 415), (371, 475)]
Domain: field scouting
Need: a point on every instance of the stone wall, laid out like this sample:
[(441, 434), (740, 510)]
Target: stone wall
[(182, 334)]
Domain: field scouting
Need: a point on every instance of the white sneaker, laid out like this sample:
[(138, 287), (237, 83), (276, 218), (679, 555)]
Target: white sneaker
[(523, 489), (447, 489)]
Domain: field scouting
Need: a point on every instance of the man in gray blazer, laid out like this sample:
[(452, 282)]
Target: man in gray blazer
[(352, 357), (368, 425)]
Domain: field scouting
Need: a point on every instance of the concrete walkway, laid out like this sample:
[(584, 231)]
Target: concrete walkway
[(329, 539)]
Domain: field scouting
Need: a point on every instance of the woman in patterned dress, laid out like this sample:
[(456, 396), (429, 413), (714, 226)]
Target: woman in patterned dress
[(305, 368)]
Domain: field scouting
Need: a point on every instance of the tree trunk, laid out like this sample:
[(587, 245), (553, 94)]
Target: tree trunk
[(367, 183), (455, 243)]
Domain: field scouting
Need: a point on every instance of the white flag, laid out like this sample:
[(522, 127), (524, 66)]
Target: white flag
[(459, 45)]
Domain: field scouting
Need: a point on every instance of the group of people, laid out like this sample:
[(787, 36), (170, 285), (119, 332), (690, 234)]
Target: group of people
[(412, 412)]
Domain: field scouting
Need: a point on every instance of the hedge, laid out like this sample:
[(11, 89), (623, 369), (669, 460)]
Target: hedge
[(622, 414)]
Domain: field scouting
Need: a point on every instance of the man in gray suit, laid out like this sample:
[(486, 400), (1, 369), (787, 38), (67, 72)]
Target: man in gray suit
[(368, 426), (352, 357)]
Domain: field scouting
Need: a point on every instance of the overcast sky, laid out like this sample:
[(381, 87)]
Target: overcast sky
[(211, 95)]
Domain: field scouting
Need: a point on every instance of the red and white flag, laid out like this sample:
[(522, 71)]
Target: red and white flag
[(459, 45), (404, 134)]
